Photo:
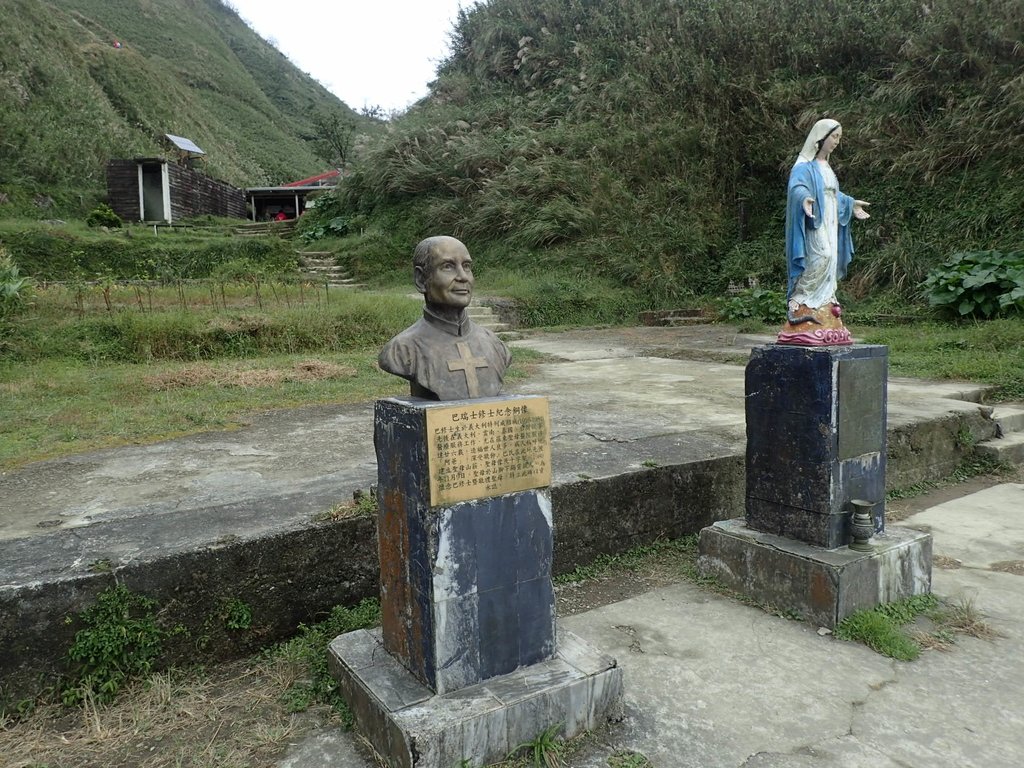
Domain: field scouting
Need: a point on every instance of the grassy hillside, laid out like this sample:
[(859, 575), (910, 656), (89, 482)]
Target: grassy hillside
[(649, 143), (69, 100)]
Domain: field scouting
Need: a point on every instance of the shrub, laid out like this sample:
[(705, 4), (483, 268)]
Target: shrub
[(103, 216), (13, 286), (59, 255), (760, 304), (978, 283), (324, 218), (120, 641)]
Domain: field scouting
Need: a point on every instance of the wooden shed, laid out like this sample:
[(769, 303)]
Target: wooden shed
[(169, 189)]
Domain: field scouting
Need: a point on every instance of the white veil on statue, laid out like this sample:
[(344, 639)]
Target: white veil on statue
[(821, 129)]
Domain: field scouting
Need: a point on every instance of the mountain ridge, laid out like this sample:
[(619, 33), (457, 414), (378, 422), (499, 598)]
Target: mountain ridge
[(70, 99)]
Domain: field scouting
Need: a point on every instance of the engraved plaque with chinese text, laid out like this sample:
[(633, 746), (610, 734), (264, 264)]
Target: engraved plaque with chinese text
[(493, 448)]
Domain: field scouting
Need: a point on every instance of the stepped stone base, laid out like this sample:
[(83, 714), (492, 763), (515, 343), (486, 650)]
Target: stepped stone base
[(824, 586), (409, 725), (673, 317), (1008, 449)]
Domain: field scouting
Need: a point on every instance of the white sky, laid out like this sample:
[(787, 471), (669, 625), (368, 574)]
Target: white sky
[(366, 52)]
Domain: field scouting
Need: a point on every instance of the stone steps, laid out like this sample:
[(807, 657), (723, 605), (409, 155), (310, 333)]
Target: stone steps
[(1009, 418), (1006, 450), (673, 317), (675, 322), (265, 228), (485, 317), (322, 267), (1008, 447)]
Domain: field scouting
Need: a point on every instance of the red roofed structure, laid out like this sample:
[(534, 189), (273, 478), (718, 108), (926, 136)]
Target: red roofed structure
[(268, 202), (327, 179)]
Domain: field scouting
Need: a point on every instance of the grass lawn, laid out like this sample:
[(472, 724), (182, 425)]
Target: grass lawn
[(988, 352), (57, 406)]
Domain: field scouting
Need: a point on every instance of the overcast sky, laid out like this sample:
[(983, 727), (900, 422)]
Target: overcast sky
[(366, 52)]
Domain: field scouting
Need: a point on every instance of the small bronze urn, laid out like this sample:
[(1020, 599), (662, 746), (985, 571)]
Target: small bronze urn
[(862, 527)]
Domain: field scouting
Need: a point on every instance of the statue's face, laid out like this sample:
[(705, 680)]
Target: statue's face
[(831, 142), (449, 279)]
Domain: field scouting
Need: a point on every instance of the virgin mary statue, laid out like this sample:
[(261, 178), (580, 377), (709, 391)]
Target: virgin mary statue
[(818, 242)]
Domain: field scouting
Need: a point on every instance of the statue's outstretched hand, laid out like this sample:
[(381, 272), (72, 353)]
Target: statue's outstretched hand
[(858, 209), (809, 207)]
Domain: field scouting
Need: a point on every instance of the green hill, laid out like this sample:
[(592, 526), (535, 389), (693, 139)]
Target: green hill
[(649, 142), (70, 100)]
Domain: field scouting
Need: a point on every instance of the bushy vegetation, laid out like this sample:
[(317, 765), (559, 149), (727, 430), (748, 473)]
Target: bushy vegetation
[(978, 284), (103, 216), (120, 640), (52, 253), (649, 143), (13, 285), (760, 305)]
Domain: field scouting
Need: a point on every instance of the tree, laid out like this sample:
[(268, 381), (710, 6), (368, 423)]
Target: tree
[(333, 137)]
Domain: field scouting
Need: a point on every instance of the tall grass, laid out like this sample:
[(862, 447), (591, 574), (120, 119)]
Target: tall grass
[(649, 143), (344, 322)]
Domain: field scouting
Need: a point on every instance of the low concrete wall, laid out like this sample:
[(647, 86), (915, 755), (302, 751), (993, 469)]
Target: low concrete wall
[(614, 514), (296, 575), (291, 577), (932, 450)]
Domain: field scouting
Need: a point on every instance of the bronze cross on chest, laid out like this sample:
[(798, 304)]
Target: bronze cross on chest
[(468, 365)]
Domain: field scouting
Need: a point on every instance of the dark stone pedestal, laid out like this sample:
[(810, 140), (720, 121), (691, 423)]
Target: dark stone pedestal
[(466, 587), (815, 439), (816, 432), (823, 586), (466, 664)]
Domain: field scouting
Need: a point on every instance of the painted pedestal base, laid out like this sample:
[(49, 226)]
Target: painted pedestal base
[(824, 586), (409, 725)]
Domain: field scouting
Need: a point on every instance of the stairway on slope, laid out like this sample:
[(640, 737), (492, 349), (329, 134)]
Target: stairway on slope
[(283, 229), (1008, 445), (322, 267), (484, 316)]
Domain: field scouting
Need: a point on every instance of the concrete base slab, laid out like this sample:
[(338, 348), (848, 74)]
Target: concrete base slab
[(823, 586), (409, 725), (982, 530)]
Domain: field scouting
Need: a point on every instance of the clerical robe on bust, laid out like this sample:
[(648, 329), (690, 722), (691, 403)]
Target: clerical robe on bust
[(444, 355)]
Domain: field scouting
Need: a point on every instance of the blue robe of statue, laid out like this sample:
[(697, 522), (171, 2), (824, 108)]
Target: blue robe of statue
[(805, 180)]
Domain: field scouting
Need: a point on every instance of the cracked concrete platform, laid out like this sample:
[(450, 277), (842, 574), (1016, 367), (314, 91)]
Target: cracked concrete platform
[(709, 682), (619, 397), (712, 683)]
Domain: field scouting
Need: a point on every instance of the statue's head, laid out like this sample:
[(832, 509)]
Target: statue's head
[(443, 272), (823, 134)]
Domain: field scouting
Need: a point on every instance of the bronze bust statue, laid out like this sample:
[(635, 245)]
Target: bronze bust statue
[(444, 355)]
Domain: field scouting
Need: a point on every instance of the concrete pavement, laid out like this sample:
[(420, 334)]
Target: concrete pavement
[(713, 683), (709, 682), (618, 398)]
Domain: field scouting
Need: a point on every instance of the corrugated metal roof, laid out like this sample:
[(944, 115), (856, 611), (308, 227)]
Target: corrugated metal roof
[(186, 144)]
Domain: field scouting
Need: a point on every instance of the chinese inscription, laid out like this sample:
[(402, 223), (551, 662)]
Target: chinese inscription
[(488, 449)]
